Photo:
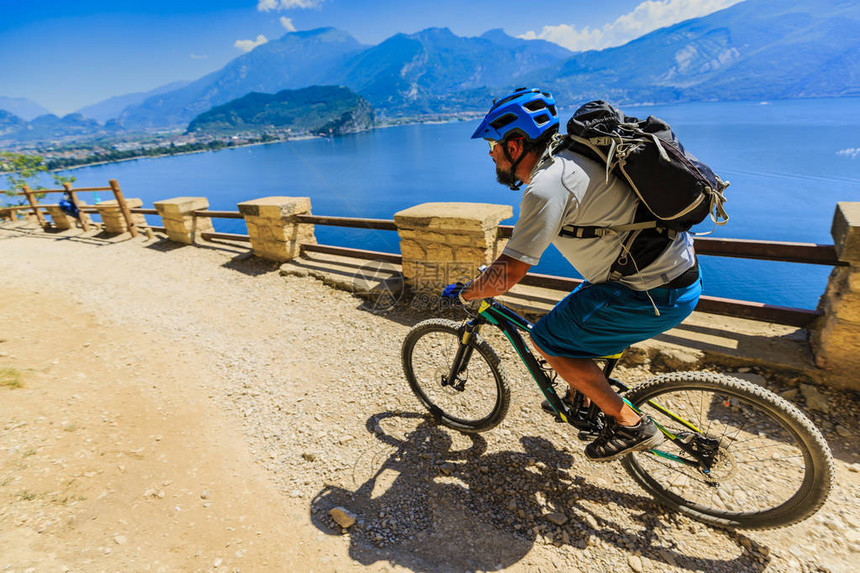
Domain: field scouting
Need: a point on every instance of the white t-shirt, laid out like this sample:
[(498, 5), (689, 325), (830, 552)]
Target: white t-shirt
[(569, 189)]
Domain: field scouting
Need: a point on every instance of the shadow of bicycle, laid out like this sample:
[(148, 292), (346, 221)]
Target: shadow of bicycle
[(429, 498)]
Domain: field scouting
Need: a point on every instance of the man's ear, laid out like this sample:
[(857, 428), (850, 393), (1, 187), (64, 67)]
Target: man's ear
[(515, 147)]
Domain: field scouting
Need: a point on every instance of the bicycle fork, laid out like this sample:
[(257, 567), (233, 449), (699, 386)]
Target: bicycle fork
[(461, 358)]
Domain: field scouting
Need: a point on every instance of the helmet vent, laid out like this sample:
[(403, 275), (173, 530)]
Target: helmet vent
[(541, 119), (503, 121), (535, 105)]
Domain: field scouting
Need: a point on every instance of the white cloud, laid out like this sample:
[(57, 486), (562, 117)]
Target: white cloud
[(646, 17), (199, 56), (269, 5), (287, 23), (248, 45)]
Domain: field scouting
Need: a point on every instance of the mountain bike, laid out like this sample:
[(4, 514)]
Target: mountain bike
[(736, 455)]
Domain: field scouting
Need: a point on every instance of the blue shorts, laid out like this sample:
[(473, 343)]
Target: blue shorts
[(605, 318)]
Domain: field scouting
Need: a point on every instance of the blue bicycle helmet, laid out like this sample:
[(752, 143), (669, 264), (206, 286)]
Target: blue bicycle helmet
[(529, 112)]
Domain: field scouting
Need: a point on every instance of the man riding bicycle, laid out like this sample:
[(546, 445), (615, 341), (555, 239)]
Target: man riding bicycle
[(636, 286)]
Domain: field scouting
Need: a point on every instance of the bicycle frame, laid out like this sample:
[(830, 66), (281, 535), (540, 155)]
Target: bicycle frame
[(510, 323)]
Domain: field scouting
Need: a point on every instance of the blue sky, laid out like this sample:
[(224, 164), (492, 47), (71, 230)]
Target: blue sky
[(66, 54)]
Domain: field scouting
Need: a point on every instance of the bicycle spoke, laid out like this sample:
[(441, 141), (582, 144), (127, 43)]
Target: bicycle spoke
[(730, 486), (467, 399)]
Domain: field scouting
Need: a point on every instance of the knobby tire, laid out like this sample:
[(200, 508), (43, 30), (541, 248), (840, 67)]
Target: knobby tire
[(793, 432), (423, 368)]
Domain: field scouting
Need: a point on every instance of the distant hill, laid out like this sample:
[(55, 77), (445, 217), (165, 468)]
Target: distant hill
[(296, 60), (111, 108), (758, 49), (24, 108), (325, 110), (50, 127), (9, 122)]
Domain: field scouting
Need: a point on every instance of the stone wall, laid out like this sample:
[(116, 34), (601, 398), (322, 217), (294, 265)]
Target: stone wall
[(180, 222), (276, 233), (113, 220), (442, 243), (61, 220), (836, 337)]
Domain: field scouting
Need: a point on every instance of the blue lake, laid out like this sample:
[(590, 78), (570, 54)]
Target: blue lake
[(789, 163)]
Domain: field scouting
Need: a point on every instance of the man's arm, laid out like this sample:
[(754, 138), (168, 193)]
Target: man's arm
[(498, 279)]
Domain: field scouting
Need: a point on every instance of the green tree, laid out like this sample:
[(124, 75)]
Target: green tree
[(20, 169), (61, 180)]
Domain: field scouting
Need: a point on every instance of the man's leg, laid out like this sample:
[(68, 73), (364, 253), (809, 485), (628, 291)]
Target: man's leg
[(625, 431), (584, 375)]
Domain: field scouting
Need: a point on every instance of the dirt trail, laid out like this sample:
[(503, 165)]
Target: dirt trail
[(114, 459), (188, 409)]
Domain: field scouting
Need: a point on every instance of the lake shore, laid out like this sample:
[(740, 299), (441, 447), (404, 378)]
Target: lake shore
[(465, 116)]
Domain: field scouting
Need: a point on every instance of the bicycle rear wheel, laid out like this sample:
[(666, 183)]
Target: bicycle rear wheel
[(479, 397), (771, 466)]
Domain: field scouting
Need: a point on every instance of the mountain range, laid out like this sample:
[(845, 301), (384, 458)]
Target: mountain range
[(111, 108), (753, 50)]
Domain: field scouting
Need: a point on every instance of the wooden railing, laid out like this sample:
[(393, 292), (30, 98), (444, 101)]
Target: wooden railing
[(806, 253), (31, 194)]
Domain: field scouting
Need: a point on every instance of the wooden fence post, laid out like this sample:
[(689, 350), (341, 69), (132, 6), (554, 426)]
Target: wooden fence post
[(29, 193), (120, 200), (73, 197)]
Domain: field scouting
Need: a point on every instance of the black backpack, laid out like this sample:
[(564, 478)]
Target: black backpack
[(675, 189), (678, 189)]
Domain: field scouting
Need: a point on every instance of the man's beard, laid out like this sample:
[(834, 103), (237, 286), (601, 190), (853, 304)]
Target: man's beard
[(506, 178)]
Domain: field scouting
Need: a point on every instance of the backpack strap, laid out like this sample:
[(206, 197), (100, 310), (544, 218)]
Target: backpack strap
[(642, 241), (587, 232)]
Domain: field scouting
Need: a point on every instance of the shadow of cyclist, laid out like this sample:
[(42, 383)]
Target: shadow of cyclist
[(439, 501), (410, 510)]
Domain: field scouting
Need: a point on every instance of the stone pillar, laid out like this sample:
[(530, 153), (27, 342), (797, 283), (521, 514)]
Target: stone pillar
[(180, 223), (112, 220), (275, 232), (836, 338), (61, 220), (442, 243)]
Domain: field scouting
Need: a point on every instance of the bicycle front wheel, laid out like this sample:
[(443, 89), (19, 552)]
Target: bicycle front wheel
[(477, 399), (771, 467)]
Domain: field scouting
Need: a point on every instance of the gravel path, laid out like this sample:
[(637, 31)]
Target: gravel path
[(313, 385)]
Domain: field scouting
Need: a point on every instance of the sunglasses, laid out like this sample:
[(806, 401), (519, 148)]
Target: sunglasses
[(493, 143)]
